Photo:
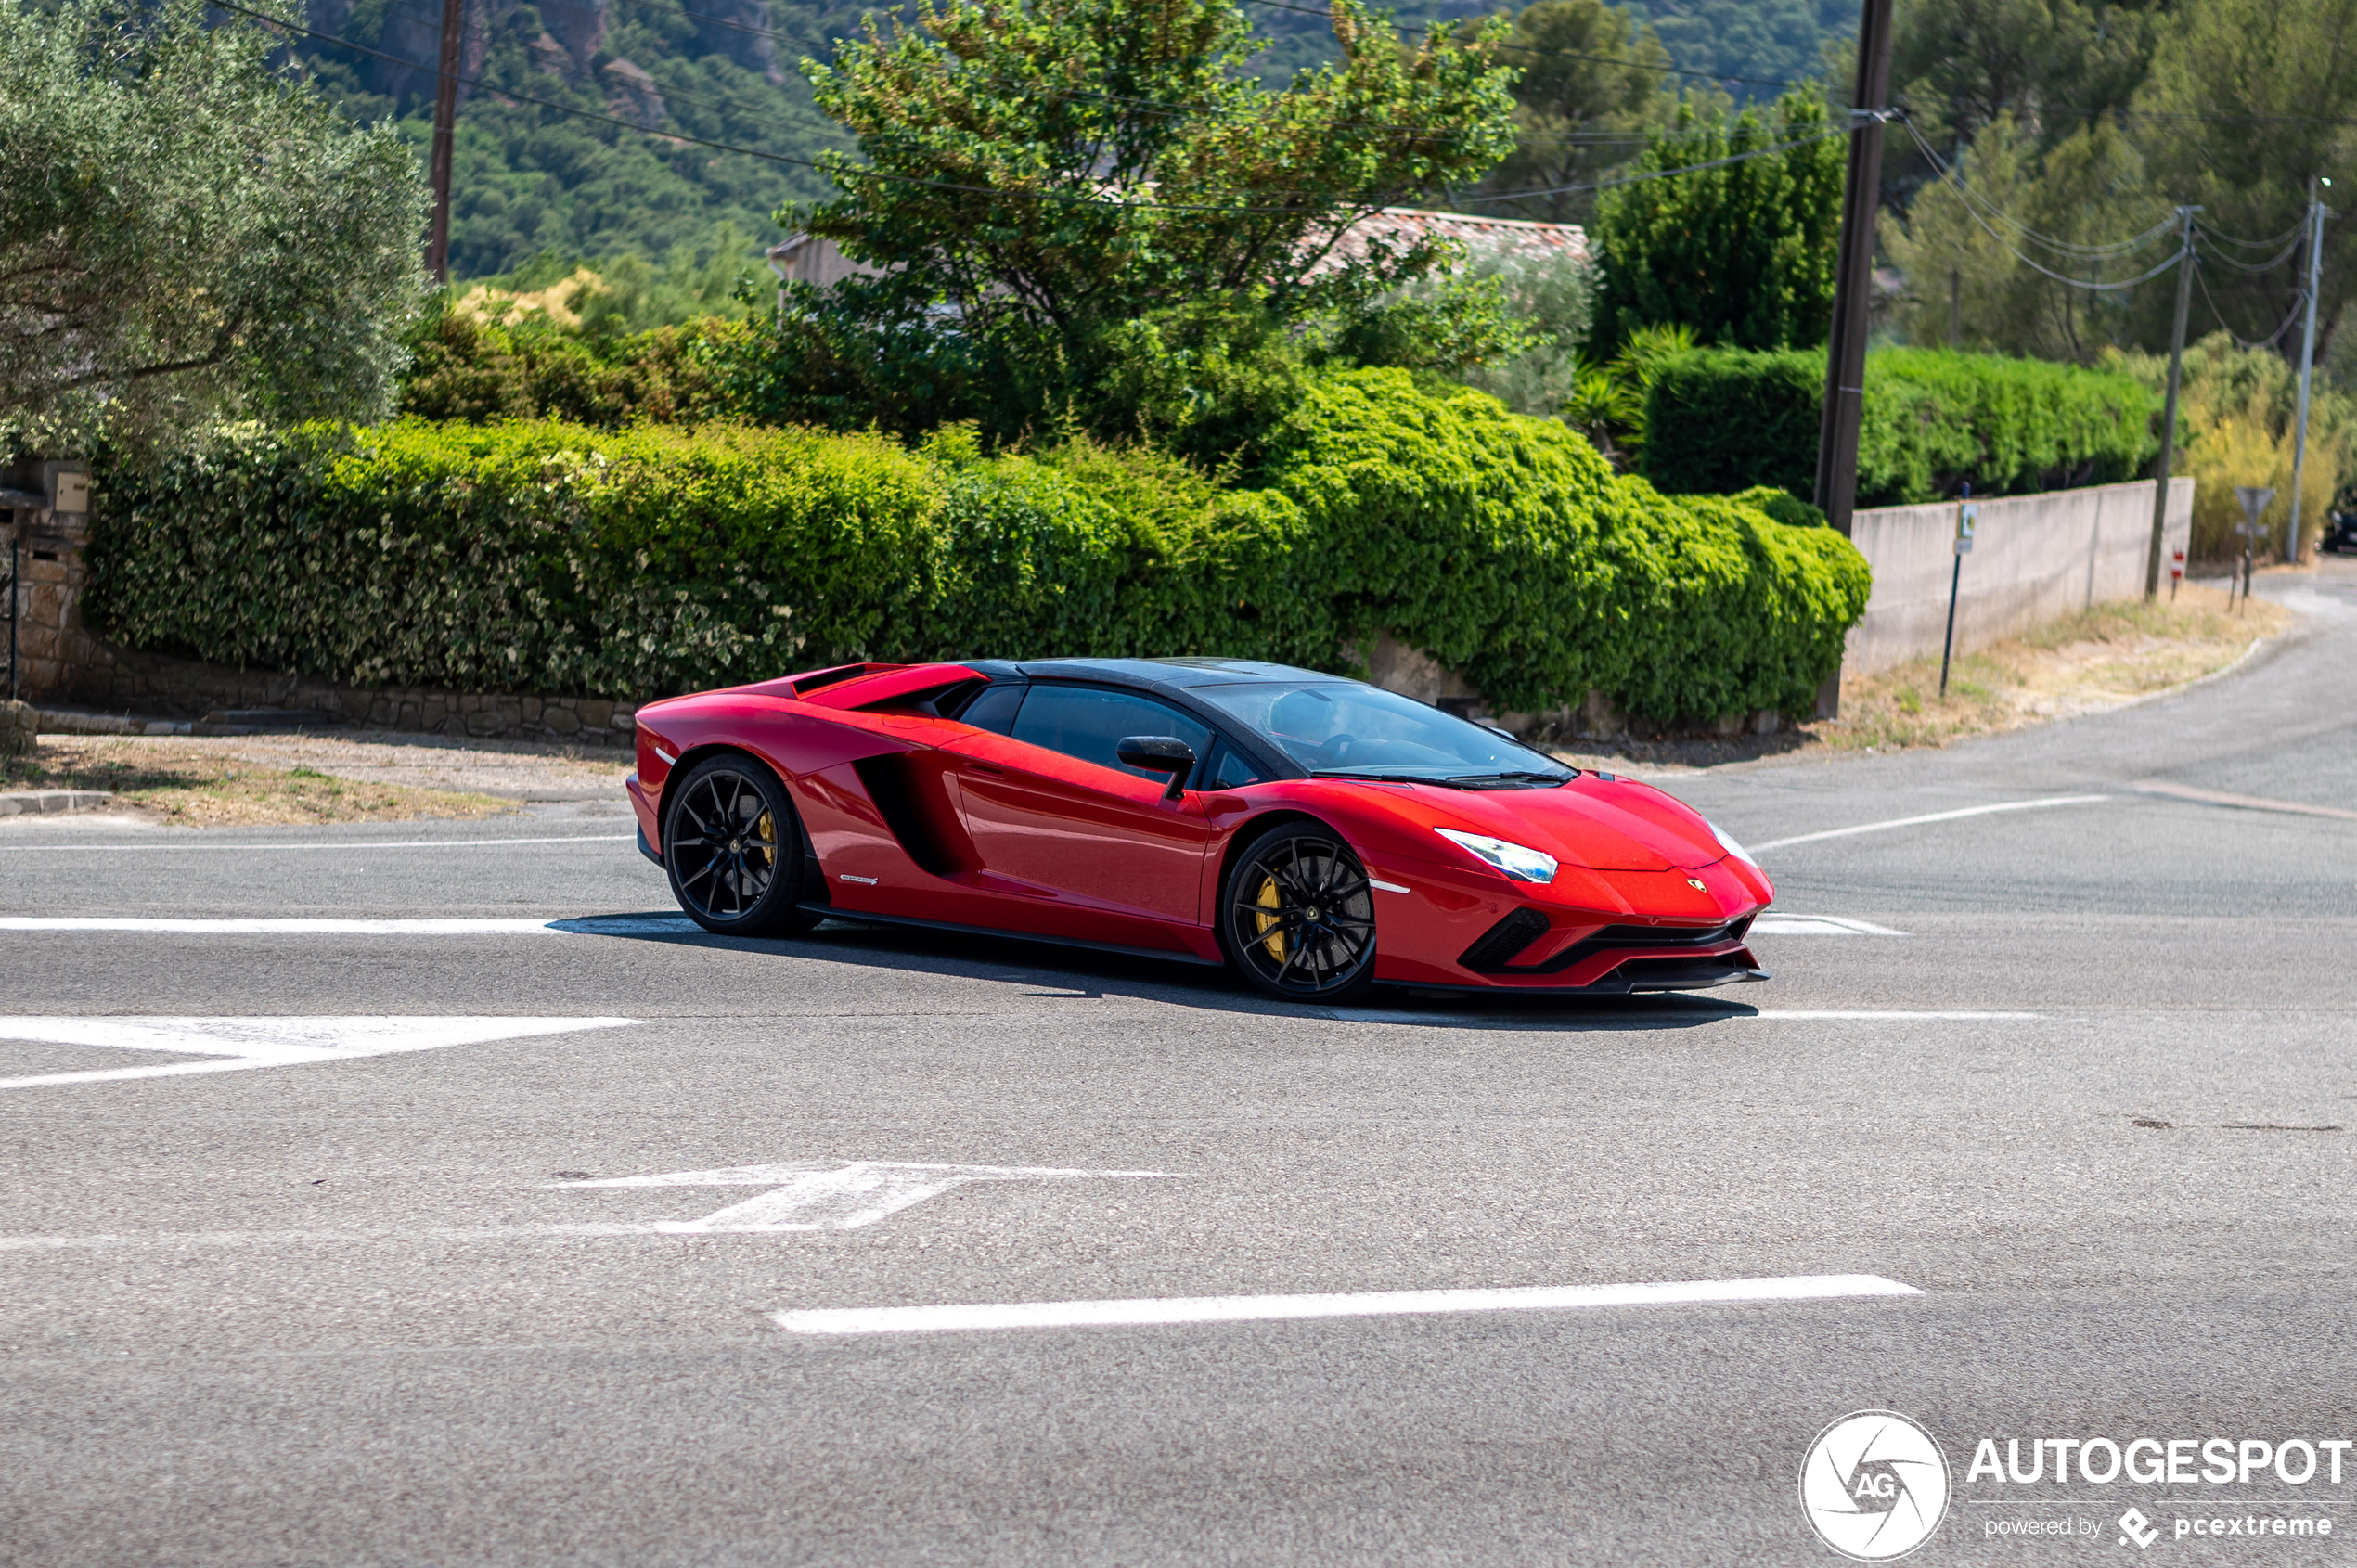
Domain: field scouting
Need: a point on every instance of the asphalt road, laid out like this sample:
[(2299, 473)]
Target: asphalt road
[(2093, 1108)]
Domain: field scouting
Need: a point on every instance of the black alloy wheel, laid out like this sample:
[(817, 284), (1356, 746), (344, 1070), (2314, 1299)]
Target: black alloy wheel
[(733, 847), (1298, 916)]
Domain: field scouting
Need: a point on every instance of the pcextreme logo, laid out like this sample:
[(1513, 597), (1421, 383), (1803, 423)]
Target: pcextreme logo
[(1874, 1485)]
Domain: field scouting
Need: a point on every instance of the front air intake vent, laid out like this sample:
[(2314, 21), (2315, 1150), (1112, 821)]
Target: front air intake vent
[(1502, 940)]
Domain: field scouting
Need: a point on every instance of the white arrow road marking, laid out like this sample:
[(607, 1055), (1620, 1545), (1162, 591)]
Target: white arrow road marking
[(236, 1044), (1816, 925), (1379, 1303), (828, 1195)]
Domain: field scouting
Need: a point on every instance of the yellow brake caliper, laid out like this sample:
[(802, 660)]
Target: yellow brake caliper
[(767, 831), (1272, 936)]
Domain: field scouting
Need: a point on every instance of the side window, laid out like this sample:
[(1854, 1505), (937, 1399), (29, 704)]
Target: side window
[(1231, 770), (995, 709), (1090, 722)]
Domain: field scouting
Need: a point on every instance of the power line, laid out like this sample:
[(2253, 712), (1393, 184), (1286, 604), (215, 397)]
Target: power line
[(1744, 157)]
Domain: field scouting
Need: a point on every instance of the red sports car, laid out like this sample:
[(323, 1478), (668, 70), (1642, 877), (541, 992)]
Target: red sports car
[(1323, 835)]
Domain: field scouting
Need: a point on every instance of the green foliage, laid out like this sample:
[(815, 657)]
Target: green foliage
[(185, 231), (1549, 295), (2237, 416), (550, 558), (465, 367), (1722, 418), (1043, 177), (1586, 70), (1741, 254)]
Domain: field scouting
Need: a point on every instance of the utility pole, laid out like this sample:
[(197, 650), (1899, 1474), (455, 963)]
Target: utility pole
[(2307, 364), (445, 117), (1853, 287), (2168, 412)]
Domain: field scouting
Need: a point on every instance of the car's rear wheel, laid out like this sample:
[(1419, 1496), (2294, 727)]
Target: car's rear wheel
[(733, 847), (1298, 916)]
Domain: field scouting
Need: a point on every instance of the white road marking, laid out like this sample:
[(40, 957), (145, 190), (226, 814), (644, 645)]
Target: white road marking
[(1815, 1013), (1929, 816), (1380, 1303), (587, 925), (1816, 925), (236, 1044), (374, 843), (828, 1195)]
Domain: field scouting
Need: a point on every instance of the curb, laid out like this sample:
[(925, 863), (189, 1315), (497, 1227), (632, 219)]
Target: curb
[(27, 803), (58, 721)]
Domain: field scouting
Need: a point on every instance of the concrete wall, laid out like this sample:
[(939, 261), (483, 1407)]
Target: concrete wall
[(2035, 559)]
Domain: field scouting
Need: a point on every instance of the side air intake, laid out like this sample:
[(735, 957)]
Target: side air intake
[(1502, 942)]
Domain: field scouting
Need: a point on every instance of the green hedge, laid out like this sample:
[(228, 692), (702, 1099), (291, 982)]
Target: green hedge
[(550, 558), (1719, 419)]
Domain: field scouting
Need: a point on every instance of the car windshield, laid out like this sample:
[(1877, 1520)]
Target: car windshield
[(1346, 729)]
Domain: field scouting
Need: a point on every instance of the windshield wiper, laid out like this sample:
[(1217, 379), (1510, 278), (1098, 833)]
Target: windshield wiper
[(1473, 781), (1374, 777)]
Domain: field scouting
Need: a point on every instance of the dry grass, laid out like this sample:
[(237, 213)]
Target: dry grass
[(190, 784), (2102, 659)]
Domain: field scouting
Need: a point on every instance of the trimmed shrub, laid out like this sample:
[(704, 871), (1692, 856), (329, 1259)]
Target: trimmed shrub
[(1722, 419), (551, 558)]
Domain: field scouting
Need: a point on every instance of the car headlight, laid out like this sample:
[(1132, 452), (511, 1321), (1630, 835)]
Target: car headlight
[(1518, 861), (1730, 846)]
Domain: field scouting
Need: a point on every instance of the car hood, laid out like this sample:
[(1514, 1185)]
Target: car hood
[(1606, 825)]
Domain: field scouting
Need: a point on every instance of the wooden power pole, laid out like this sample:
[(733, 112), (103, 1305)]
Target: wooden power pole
[(1853, 288), (446, 118)]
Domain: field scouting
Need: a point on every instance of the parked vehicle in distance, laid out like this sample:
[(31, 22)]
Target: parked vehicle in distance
[(2340, 532), (1321, 834)]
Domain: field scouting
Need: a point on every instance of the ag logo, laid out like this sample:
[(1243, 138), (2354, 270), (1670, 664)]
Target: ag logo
[(1874, 1485)]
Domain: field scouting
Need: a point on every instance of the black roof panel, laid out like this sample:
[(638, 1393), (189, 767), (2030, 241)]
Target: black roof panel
[(1173, 673)]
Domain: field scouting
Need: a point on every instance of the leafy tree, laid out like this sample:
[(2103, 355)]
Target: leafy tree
[(1741, 254), (1589, 71), (1050, 173), (185, 231), (1965, 271)]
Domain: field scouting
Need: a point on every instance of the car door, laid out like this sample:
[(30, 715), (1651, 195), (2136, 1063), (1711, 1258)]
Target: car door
[(1051, 807)]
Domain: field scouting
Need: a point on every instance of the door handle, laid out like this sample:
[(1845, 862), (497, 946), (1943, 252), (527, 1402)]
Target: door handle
[(985, 771)]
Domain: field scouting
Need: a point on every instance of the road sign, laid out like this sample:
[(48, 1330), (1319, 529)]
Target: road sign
[(1967, 517), (2254, 499)]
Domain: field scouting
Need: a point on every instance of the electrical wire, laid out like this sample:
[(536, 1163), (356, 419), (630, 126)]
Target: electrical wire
[(1984, 212), (2268, 341), (2255, 269), (2184, 253), (1744, 157)]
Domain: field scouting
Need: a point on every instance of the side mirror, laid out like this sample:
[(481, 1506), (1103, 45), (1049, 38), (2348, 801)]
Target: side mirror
[(1159, 753)]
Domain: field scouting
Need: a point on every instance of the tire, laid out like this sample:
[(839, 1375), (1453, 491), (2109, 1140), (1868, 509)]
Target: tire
[(733, 847), (1298, 916)]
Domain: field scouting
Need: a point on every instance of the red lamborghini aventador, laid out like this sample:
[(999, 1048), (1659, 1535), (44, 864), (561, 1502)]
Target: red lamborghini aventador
[(1321, 834)]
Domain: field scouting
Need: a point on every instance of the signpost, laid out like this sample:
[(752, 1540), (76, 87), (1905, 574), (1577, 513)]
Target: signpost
[(1967, 514), (2254, 499)]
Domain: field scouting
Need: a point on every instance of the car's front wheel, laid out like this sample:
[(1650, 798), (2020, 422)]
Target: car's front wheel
[(1298, 916), (733, 847)]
